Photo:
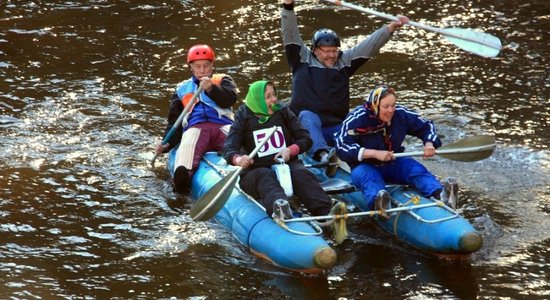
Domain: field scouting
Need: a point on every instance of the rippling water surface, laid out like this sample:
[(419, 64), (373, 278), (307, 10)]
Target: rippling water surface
[(84, 93)]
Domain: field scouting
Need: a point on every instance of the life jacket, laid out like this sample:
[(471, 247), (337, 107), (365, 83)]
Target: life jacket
[(216, 79), (212, 112)]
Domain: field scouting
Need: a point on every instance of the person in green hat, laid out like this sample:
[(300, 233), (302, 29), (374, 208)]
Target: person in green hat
[(260, 113)]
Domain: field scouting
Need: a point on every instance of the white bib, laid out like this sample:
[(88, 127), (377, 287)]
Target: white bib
[(275, 144)]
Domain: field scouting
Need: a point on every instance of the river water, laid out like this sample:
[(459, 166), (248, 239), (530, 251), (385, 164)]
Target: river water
[(84, 93)]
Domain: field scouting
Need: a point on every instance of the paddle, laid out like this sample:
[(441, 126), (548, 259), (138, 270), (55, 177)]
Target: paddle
[(178, 122), (208, 205), (473, 148), (320, 165), (479, 43)]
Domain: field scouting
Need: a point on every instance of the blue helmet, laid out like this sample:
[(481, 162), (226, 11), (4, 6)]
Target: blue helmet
[(325, 37)]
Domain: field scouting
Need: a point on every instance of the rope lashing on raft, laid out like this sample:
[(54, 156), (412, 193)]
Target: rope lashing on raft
[(318, 230)]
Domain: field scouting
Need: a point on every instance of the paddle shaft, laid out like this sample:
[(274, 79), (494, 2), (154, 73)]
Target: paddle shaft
[(415, 24), (472, 148), (221, 196), (365, 213), (320, 165), (179, 121), (448, 151)]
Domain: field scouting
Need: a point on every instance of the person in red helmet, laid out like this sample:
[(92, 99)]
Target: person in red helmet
[(203, 127)]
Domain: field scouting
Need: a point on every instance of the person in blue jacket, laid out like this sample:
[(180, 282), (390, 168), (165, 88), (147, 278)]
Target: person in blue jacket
[(321, 77), (368, 139)]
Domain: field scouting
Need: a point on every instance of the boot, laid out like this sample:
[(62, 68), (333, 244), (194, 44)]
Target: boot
[(330, 159), (182, 182), (382, 203), (281, 210), (449, 193)]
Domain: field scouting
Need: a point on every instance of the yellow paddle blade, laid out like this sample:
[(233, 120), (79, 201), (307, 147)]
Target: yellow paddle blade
[(469, 149), (208, 205)]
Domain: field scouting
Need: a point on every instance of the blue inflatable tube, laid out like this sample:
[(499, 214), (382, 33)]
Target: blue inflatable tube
[(300, 248), (437, 228)]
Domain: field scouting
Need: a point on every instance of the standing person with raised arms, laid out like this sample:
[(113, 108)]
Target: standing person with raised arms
[(321, 77)]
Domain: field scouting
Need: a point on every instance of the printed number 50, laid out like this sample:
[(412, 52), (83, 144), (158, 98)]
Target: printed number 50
[(276, 141)]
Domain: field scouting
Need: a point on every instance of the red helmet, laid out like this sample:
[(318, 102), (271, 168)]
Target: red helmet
[(200, 52)]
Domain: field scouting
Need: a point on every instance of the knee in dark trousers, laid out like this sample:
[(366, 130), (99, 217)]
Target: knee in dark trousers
[(262, 185), (309, 191)]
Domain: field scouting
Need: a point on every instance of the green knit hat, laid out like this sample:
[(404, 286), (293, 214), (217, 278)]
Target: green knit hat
[(255, 100)]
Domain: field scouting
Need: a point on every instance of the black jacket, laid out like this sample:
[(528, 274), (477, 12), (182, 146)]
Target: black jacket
[(240, 139)]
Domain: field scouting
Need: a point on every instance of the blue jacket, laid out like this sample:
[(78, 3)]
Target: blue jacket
[(363, 129)]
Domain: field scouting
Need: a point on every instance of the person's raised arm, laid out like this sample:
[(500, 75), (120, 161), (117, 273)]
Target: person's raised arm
[(370, 46), (394, 25), (289, 25)]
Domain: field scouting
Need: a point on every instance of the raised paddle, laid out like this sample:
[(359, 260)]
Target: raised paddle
[(208, 205), (472, 148), (476, 42), (178, 122)]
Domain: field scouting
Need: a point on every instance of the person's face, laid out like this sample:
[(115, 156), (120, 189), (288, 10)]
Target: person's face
[(201, 68), (387, 107), (270, 97), (327, 55)]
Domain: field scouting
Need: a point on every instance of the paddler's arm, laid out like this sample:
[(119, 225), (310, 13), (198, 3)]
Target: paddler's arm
[(373, 43), (381, 155), (295, 48), (289, 25), (176, 108), (232, 146), (224, 94), (424, 129), (300, 135), (348, 146)]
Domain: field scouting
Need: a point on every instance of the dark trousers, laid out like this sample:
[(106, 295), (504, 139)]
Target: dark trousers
[(262, 184)]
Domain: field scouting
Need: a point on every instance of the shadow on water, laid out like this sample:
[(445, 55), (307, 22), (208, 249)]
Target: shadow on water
[(300, 287), (373, 263)]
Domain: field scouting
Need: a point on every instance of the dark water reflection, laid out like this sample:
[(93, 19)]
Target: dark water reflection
[(84, 91)]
